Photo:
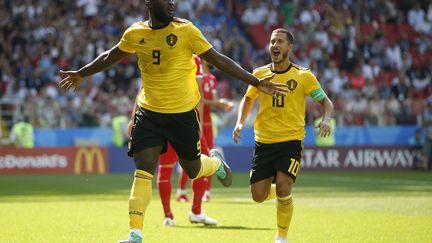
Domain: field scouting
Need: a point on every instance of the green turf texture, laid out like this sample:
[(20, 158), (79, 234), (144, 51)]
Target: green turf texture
[(328, 207)]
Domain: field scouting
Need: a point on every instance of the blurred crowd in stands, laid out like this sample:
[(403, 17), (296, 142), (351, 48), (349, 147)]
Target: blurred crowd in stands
[(373, 57)]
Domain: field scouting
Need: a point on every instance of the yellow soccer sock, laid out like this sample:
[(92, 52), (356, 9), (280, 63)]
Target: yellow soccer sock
[(272, 192), (284, 213), (139, 198), (209, 166)]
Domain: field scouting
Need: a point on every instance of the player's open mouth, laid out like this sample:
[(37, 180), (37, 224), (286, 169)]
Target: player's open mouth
[(276, 53)]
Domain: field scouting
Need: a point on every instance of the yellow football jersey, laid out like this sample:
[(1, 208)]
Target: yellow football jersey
[(283, 119), (166, 63)]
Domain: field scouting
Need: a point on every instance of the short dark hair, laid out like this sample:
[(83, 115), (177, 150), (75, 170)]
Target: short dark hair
[(290, 36)]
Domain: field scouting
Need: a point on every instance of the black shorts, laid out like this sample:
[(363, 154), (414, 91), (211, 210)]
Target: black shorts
[(270, 158), (156, 129)]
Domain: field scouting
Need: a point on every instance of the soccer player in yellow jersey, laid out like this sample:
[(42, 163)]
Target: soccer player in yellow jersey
[(165, 109), (279, 128)]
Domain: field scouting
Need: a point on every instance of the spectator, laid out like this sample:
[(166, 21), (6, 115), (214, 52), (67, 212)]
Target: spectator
[(390, 11), (400, 86), (418, 140), (429, 13), (421, 81), (394, 56), (309, 16), (357, 79), (375, 110), (357, 108), (21, 134), (416, 18), (349, 57), (289, 9), (120, 129), (370, 89), (71, 113), (254, 13)]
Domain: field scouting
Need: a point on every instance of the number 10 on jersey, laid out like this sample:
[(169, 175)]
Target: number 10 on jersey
[(279, 101)]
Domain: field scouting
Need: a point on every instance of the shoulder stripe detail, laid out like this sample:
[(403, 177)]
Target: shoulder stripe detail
[(299, 67), (180, 20)]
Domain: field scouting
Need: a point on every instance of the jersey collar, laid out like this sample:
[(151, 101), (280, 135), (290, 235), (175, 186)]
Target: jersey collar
[(280, 72)]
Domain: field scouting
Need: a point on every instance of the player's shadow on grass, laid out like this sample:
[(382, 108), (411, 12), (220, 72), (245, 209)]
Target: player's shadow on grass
[(234, 227)]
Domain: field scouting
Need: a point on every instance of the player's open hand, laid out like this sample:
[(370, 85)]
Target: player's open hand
[(324, 129), (271, 88), (236, 133), (71, 80)]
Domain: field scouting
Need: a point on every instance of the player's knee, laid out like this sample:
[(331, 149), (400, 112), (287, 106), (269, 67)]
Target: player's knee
[(259, 196), (191, 167), (192, 174), (283, 189), (144, 165), (258, 199), (140, 165)]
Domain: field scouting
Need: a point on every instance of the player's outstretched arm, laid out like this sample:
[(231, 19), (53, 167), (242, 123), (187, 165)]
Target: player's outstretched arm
[(245, 107), (225, 64), (73, 79), (324, 125)]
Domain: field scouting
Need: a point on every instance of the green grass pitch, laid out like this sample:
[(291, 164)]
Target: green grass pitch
[(328, 207)]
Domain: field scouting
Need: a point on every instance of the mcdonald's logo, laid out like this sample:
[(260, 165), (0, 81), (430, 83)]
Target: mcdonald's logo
[(89, 157)]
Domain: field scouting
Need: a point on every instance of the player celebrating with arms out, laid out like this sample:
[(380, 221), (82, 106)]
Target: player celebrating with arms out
[(167, 101), (279, 128)]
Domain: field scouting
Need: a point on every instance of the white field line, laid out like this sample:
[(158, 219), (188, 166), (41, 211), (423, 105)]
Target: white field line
[(370, 180)]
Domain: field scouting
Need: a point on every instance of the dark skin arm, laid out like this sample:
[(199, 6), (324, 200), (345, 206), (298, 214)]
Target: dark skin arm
[(73, 79), (230, 67)]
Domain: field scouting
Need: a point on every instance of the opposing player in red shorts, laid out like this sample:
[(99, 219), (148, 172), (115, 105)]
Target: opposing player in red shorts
[(167, 161)]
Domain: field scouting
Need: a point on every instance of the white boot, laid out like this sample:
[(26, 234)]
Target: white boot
[(279, 239), (169, 222), (201, 219)]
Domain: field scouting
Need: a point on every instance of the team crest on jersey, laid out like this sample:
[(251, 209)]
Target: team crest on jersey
[(171, 40), (292, 85)]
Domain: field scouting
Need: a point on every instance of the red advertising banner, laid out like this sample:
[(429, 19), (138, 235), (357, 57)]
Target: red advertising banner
[(360, 158), (70, 160)]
